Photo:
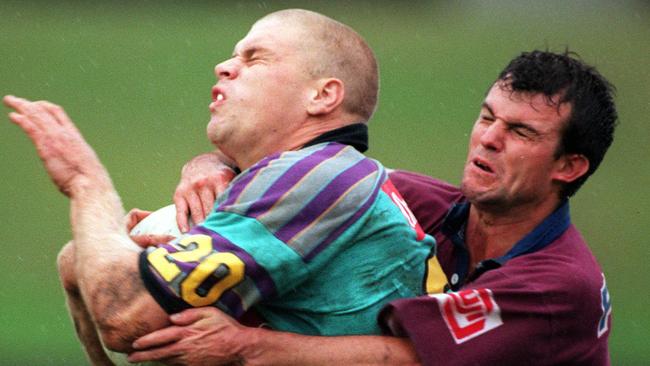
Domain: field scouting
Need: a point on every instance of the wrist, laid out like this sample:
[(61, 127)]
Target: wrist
[(251, 341), (82, 185)]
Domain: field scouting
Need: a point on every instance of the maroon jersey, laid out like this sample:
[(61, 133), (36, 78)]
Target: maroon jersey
[(545, 302)]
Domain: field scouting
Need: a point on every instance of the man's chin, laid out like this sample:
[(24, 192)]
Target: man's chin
[(479, 194)]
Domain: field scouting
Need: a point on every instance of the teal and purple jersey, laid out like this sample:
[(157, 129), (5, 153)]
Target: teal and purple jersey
[(316, 240)]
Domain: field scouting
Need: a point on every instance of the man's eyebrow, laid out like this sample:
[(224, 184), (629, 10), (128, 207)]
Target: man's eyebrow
[(248, 51), (487, 106)]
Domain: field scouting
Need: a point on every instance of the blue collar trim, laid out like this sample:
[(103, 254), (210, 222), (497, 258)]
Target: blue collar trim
[(544, 234)]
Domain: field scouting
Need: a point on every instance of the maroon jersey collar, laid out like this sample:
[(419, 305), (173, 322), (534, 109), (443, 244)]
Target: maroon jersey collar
[(545, 233)]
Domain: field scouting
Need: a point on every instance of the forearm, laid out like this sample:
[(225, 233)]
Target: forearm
[(106, 265), (263, 347), (100, 237)]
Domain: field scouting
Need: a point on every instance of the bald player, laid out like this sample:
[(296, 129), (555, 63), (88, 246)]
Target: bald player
[(311, 234)]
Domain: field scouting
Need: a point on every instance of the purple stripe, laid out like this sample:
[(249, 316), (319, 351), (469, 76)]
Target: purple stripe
[(233, 302), (290, 178), (336, 233), (326, 198), (239, 187), (257, 273)]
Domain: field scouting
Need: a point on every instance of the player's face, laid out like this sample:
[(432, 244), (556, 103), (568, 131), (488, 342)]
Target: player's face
[(261, 93), (511, 160)]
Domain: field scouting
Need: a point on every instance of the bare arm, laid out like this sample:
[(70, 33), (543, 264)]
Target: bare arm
[(206, 336), (105, 257), (106, 264)]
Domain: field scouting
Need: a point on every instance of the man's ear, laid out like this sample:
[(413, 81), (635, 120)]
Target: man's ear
[(571, 167), (326, 96)]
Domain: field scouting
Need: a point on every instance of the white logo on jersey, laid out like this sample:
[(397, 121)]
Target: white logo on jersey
[(606, 306), (469, 313)]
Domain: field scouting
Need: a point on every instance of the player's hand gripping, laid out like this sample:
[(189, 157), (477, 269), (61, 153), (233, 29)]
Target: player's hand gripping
[(201, 336), (202, 179), (145, 240), (68, 159)]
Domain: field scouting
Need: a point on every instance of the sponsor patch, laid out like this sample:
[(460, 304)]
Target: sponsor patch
[(469, 313)]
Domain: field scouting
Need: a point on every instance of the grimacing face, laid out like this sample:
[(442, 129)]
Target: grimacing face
[(511, 159), (261, 93)]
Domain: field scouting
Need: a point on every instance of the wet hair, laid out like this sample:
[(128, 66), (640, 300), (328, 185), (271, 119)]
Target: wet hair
[(333, 49), (589, 130)]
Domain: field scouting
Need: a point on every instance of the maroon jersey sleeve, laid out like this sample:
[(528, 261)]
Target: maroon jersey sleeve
[(546, 308)]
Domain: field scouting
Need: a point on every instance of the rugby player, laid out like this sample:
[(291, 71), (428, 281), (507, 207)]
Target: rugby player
[(526, 288), (311, 232)]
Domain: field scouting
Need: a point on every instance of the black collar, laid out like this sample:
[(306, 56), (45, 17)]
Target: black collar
[(355, 135)]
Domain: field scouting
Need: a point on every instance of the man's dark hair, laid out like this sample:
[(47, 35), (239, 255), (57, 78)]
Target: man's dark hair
[(590, 128)]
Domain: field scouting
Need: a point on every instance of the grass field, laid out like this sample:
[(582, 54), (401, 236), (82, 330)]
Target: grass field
[(136, 78)]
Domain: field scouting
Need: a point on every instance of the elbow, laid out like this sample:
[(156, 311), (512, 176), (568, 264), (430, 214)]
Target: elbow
[(116, 340), (122, 321), (116, 327)]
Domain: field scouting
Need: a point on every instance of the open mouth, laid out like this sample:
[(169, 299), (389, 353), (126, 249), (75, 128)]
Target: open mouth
[(484, 167), (217, 95)]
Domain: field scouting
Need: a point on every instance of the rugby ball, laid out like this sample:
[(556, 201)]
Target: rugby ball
[(159, 222)]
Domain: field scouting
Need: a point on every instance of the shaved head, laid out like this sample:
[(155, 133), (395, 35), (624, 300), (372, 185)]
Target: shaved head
[(332, 49)]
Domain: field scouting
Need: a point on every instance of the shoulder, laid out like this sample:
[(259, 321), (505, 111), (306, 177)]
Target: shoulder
[(302, 174), (428, 198)]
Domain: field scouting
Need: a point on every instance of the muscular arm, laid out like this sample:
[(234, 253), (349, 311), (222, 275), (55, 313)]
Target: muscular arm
[(206, 336), (105, 258), (286, 348), (106, 264)]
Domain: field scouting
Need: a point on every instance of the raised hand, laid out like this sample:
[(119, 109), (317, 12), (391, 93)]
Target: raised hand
[(67, 157)]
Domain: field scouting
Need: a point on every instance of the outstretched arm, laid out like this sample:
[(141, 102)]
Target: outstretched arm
[(105, 257), (206, 336)]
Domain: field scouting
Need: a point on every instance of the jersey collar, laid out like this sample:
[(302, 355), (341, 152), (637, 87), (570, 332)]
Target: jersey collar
[(544, 234), (355, 135)]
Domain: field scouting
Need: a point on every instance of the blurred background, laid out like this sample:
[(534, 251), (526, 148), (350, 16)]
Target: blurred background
[(136, 78)]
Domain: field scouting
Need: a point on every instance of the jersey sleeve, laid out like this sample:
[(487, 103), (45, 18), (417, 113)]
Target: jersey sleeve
[(271, 230)]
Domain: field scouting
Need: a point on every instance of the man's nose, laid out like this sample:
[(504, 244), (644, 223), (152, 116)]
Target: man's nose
[(227, 69), (492, 136)]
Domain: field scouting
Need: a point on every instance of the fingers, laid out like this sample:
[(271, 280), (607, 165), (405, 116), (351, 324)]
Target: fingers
[(196, 207), (159, 338), (182, 214), (157, 354), (134, 217), (23, 122), (14, 102), (31, 116), (193, 315), (148, 240), (58, 113), (207, 200)]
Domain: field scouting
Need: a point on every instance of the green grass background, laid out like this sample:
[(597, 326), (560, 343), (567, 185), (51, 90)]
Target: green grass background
[(136, 78)]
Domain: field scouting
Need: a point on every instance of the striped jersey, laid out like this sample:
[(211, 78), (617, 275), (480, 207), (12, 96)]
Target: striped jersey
[(315, 240)]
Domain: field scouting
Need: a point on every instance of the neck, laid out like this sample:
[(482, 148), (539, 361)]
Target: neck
[(492, 233), (294, 140)]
